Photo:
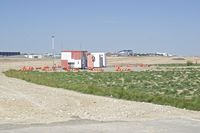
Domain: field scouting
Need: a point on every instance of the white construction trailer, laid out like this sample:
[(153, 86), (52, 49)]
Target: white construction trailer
[(99, 59)]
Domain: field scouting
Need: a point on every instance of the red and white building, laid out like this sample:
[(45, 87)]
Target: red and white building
[(82, 59), (73, 59)]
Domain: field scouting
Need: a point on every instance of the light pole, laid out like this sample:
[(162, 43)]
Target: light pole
[(52, 41)]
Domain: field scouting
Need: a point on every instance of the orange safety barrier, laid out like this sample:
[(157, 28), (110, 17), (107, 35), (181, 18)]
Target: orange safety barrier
[(144, 65), (118, 68), (90, 68), (38, 68), (95, 69), (53, 68), (66, 69), (141, 65), (128, 68), (46, 68), (27, 68)]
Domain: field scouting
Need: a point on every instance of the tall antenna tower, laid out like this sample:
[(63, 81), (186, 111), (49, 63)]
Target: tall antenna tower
[(52, 41)]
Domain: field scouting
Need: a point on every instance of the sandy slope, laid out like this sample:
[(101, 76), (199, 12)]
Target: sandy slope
[(23, 102)]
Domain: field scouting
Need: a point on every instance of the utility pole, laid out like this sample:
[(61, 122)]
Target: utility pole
[(52, 41)]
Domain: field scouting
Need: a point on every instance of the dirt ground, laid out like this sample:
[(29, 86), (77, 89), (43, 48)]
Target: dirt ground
[(150, 60), (26, 103)]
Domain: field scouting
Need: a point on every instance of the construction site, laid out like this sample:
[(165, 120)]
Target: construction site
[(99, 66), (23, 103), (75, 61)]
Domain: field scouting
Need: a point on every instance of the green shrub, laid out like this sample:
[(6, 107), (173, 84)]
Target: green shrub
[(189, 63)]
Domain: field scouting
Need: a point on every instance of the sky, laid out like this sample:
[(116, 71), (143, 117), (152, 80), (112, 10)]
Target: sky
[(144, 26)]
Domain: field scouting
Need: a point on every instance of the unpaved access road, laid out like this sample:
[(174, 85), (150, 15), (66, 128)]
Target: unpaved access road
[(27, 107)]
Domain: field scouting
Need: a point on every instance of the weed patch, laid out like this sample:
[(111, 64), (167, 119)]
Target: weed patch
[(179, 88)]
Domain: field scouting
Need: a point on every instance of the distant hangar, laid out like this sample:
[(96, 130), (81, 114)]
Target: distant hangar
[(9, 53)]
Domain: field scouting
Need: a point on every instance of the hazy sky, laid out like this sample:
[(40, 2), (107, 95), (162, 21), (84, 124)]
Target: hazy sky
[(171, 26)]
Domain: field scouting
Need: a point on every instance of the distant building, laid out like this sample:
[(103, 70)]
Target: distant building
[(111, 54), (48, 55), (82, 59), (153, 54), (57, 56), (9, 53), (125, 53), (163, 54), (33, 56)]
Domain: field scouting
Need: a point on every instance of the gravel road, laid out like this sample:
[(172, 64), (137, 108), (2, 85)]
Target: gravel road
[(27, 107)]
